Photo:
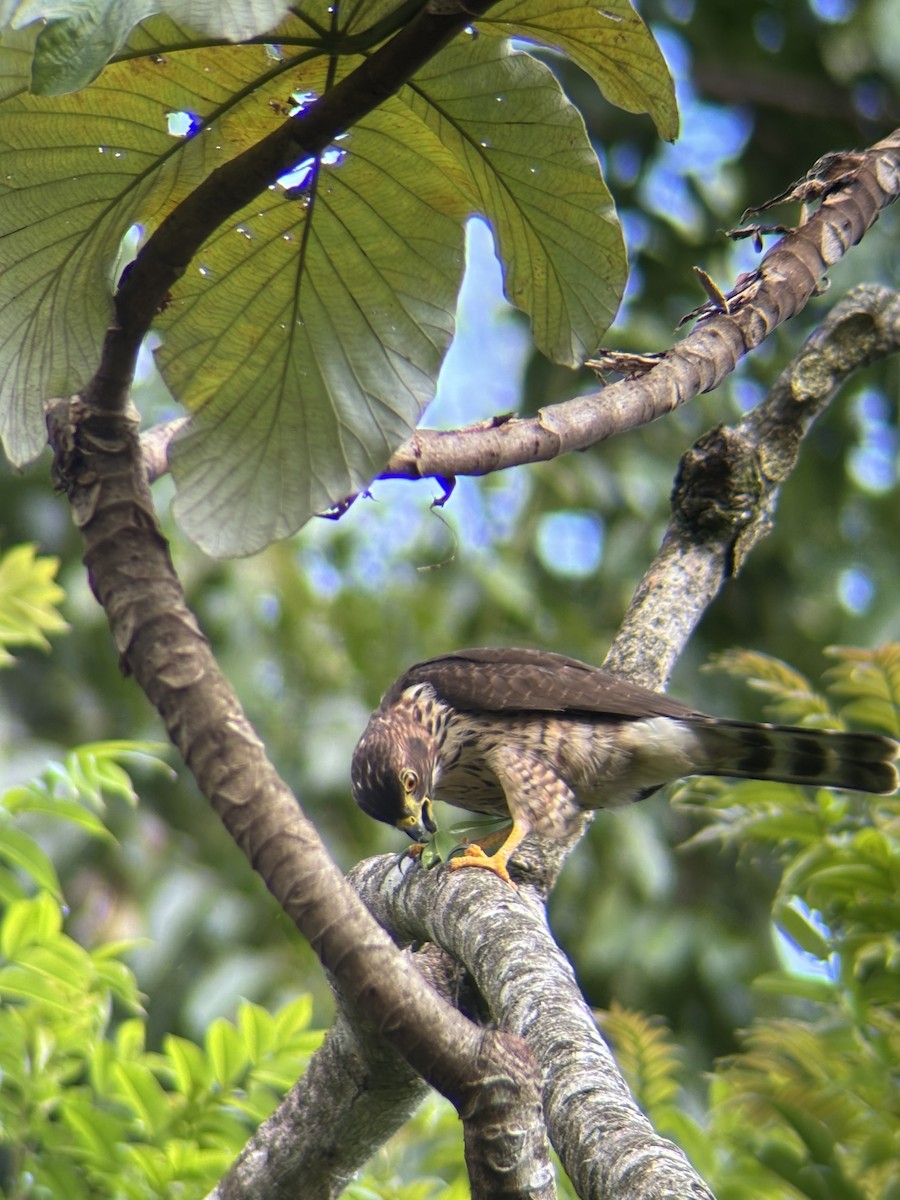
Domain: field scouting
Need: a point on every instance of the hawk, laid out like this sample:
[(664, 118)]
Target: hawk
[(539, 738)]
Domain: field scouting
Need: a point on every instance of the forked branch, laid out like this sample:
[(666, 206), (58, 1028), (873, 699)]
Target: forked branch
[(728, 484)]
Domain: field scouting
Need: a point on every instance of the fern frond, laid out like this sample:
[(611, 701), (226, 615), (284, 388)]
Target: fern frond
[(804, 1099), (870, 679), (808, 1110), (29, 597), (775, 814), (646, 1054), (823, 1070), (853, 881), (792, 698)]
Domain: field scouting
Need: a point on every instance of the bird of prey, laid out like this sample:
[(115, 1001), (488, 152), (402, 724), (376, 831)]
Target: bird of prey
[(539, 738)]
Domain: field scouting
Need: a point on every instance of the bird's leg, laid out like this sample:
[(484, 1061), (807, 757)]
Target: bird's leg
[(492, 840), (537, 799), (475, 856)]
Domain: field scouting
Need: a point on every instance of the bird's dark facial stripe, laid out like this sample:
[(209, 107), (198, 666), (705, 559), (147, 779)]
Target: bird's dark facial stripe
[(759, 752)]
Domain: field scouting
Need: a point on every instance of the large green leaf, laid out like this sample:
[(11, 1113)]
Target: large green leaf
[(529, 168), (236, 20), (75, 172), (16, 52), (70, 53), (233, 19), (306, 370), (307, 336), (612, 44)]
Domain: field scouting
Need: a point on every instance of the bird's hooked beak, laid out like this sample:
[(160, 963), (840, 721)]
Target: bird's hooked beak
[(420, 823)]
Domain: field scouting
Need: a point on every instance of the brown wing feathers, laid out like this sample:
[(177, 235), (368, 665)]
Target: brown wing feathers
[(499, 680), (495, 679)]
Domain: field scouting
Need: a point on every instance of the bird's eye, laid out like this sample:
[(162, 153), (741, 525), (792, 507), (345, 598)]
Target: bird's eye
[(409, 780)]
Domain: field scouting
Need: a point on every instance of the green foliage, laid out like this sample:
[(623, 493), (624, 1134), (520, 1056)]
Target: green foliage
[(791, 697), (86, 1110), (28, 600), (321, 628), (307, 340), (808, 1107), (805, 1108), (651, 1064), (75, 791), (70, 53), (646, 1056), (869, 684)]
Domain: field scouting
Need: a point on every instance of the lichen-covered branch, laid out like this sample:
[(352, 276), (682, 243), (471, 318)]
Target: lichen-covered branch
[(728, 485), (606, 1144)]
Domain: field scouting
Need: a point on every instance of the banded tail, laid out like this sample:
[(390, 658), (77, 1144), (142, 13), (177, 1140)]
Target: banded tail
[(860, 762)]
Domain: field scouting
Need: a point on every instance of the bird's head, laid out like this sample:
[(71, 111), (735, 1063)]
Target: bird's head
[(392, 775)]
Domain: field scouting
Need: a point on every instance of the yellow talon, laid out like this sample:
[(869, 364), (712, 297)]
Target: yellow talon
[(474, 856)]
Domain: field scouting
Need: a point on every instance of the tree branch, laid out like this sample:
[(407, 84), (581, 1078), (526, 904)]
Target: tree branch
[(786, 278), (487, 1074), (728, 484), (98, 462), (606, 1144), (779, 288)]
